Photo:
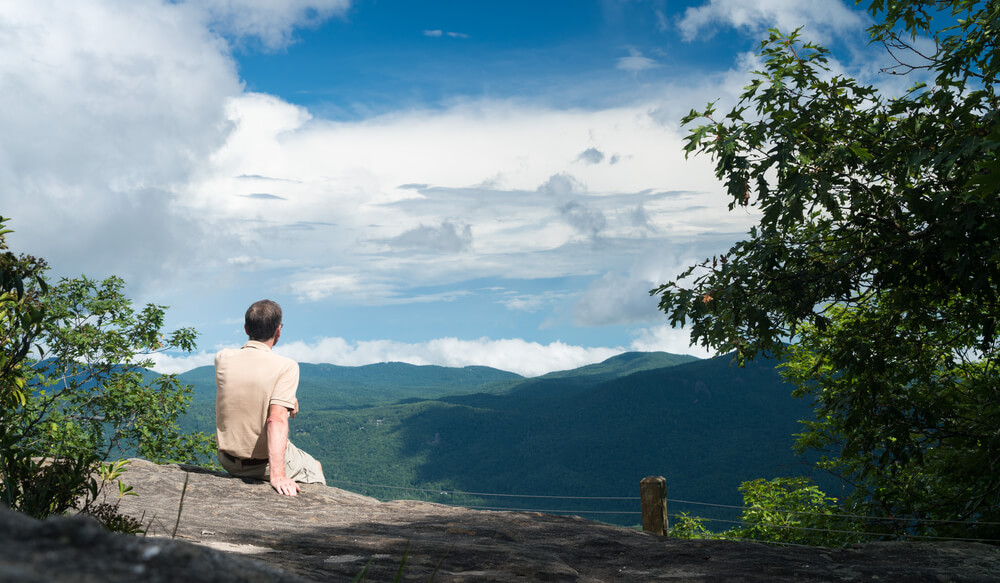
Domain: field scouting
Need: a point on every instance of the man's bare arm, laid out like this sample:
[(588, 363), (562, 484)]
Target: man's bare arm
[(277, 440)]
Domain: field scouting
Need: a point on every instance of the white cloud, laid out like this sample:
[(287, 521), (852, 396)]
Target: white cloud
[(170, 364), (666, 339), (394, 198), (584, 219), (273, 22), (821, 19), (108, 108), (635, 62), (438, 33), (591, 156), (531, 303), (514, 355), (449, 237), (622, 297)]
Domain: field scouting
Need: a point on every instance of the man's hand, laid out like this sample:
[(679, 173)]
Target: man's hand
[(285, 486)]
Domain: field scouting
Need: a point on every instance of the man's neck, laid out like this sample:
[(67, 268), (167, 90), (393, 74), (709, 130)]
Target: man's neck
[(270, 342)]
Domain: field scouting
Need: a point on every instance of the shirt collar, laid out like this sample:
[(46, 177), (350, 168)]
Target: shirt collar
[(257, 345)]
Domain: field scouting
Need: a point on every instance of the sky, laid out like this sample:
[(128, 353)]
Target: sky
[(442, 182)]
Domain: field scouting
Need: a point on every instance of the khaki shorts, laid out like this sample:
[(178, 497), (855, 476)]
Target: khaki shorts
[(299, 466)]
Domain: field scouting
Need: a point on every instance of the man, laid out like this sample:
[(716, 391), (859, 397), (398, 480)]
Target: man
[(255, 397)]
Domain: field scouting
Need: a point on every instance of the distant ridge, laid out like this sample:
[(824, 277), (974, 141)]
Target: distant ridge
[(623, 364), (330, 386)]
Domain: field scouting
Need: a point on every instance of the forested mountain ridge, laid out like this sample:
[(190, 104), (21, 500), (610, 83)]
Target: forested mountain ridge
[(330, 386), (707, 425)]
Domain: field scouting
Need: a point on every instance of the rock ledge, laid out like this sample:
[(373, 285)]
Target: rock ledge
[(232, 529)]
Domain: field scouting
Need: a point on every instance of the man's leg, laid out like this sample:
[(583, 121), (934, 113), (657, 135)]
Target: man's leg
[(302, 467)]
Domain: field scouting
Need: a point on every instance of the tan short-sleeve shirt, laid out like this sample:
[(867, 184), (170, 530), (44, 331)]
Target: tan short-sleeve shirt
[(248, 380)]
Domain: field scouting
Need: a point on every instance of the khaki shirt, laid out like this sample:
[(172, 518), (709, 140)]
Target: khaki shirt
[(248, 380)]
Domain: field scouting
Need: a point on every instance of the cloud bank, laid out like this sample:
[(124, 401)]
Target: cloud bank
[(528, 359)]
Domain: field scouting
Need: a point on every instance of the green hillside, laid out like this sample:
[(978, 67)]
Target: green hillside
[(704, 424)]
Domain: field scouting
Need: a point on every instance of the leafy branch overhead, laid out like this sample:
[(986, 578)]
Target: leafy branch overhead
[(875, 255)]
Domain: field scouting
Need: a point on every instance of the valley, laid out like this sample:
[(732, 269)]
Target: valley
[(396, 430)]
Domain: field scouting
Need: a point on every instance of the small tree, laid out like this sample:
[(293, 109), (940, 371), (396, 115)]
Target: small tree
[(91, 398)]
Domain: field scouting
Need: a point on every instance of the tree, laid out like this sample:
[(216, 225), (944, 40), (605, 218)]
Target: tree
[(875, 257), (91, 398), (21, 321)]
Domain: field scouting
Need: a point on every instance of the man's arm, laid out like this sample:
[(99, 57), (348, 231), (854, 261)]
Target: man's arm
[(277, 440)]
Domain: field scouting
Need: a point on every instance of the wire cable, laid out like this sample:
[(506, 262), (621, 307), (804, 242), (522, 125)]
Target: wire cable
[(441, 491), (458, 492)]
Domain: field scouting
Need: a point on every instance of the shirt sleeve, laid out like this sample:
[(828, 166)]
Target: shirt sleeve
[(286, 385)]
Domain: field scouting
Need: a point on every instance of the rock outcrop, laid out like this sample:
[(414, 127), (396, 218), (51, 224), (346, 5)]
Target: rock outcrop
[(231, 529)]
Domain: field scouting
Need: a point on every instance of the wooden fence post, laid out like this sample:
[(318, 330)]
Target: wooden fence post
[(653, 492)]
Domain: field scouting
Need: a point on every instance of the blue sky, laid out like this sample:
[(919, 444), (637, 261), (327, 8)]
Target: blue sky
[(439, 182)]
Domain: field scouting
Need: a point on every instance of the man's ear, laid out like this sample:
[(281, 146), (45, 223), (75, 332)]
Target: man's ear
[(277, 334)]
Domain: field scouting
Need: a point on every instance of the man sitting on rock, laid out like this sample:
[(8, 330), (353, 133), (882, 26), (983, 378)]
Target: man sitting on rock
[(255, 398)]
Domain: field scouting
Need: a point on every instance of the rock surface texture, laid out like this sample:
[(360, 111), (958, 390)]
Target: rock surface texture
[(244, 531)]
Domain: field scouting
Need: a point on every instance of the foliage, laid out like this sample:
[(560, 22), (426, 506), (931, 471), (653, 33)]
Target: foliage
[(21, 322), (90, 398), (95, 385), (690, 527), (21, 318), (917, 434), (793, 510), (876, 253), (783, 511), (107, 512)]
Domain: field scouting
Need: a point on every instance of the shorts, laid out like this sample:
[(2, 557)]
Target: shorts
[(299, 466)]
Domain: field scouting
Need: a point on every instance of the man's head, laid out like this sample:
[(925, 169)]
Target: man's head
[(262, 320)]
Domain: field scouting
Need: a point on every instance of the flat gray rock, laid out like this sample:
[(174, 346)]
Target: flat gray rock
[(328, 534)]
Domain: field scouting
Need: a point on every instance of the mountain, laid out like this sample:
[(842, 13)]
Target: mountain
[(328, 386), (596, 431)]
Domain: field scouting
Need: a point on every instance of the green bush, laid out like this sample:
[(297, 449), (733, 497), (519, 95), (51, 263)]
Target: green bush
[(88, 397)]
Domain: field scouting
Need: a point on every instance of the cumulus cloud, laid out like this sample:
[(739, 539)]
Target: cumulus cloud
[(561, 185), (622, 296), (664, 338), (821, 19), (110, 108), (514, 355), (448, 237), (591, 156), (584, 219), (635, 62), (640, 218), (617, 299)]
